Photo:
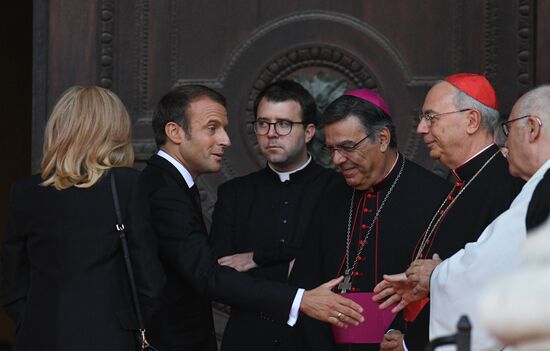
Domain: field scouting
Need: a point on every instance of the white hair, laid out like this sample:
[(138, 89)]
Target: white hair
[(536, 102), (490, 118)]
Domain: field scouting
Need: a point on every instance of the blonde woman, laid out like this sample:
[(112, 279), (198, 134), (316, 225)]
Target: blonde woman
[(64, 279)]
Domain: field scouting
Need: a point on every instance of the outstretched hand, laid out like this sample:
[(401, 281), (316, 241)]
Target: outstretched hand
[(410, 286), (324, 305), (419, 274), (390, 290)]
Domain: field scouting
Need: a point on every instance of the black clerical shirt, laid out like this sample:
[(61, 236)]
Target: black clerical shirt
[(259, 213)]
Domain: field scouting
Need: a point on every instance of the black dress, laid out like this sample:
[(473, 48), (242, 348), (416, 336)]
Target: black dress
[(64, 279)]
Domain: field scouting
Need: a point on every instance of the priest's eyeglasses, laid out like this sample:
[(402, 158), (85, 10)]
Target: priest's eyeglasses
[(344, 147), (506, 125), (282, 127), (430, 116)]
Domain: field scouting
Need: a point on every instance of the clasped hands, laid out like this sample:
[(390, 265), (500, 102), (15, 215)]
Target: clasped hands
[(409, 286)]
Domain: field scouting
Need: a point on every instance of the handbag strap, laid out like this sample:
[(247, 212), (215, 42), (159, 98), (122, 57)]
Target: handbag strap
[(126, 253)]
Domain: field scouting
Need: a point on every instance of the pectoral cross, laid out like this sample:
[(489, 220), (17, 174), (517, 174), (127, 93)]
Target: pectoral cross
[(345, 285)]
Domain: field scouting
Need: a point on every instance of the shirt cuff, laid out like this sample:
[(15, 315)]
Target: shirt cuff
[(295, 309)]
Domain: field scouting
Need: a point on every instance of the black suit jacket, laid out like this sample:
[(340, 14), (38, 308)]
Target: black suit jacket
[(64, 280), (184, 321)]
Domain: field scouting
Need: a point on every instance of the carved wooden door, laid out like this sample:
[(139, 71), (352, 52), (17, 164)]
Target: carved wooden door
[(142, 48)]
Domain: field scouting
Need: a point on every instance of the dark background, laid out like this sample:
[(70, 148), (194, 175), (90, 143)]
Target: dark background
[(16, 112), (142, 48)]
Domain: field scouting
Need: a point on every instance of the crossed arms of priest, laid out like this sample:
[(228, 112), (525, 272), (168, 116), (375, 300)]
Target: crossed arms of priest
[(409, 286)]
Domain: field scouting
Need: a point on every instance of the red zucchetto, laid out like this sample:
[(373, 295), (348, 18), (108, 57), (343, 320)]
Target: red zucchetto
[(476, 86)]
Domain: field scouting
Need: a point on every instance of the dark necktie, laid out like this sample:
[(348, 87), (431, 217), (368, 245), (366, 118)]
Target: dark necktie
[(196, 194)]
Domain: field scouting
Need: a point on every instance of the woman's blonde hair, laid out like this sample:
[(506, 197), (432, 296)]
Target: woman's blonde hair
[(88, 132)]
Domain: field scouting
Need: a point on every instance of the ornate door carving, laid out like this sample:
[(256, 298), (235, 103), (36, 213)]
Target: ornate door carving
[(142, 48)]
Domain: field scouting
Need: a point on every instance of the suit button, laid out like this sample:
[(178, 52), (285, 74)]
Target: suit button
[(284, 221), (276, 342), (285, 202)]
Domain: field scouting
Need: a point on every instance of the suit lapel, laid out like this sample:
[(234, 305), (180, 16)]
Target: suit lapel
[(169, 168)]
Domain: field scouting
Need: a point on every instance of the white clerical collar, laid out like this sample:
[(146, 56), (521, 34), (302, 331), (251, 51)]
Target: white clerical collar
[(392, 167), (183, 171), (284, 176), (478, 153)]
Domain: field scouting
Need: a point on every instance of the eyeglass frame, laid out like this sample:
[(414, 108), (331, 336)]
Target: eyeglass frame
[(344, 148), (274, 124), (430, 116), (506, 128)]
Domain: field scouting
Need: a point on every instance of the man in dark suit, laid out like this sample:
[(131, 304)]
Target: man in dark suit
[(189, 125), (260, 219)]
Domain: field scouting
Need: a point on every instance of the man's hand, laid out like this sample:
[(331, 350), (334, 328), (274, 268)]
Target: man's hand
[(393, 341), (323, 304), (241, 262), (411, 286), (390, 289), (418, 275)]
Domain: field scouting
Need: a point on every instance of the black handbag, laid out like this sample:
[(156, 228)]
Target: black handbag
[(144, 344)]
